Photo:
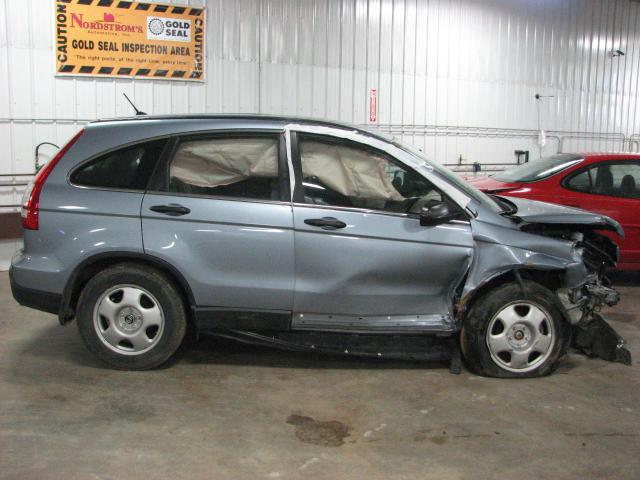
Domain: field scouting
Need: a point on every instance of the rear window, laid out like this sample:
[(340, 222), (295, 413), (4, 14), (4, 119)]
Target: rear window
[(125, 169), (539, 169)]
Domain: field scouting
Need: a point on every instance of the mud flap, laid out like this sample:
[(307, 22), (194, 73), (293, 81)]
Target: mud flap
[(598, 339)]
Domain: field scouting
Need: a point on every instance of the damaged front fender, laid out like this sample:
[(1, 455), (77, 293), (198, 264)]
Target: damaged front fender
[(495, 254)]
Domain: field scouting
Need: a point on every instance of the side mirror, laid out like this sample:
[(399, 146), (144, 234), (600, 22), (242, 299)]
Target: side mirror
[(436, 214)]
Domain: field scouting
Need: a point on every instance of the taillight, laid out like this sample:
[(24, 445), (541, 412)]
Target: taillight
[(31, 197)]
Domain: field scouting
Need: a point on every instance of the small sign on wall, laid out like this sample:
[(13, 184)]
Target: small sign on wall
[(115, 38), (373, 105)]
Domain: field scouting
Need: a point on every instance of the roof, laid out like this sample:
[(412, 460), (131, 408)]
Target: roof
[(612, 155), (253, 117)]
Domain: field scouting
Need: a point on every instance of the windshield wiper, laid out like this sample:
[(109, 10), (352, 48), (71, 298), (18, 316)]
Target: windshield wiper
[(508, 208)]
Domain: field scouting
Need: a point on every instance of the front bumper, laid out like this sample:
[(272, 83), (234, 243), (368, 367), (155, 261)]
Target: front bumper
[(38, 299), (597, 338)]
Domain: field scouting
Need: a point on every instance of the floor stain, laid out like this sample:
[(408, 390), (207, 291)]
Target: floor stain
[(327, 434), (438, 440)]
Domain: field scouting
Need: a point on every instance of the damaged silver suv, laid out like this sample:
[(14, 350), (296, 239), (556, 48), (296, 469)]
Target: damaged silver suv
[(305, 235)]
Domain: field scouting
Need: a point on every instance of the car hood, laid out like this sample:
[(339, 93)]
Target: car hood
[(531, 211)]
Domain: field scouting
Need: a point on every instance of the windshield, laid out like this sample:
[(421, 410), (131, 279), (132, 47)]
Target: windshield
[(453, 178), (538, 169)]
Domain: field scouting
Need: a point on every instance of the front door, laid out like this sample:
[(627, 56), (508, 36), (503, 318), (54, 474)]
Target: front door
[(363, 262), (220, 214)]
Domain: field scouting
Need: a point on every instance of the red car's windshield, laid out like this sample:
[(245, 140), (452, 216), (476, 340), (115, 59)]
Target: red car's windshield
[(539, 169)]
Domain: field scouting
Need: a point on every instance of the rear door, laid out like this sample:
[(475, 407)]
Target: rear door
[(363, 261), (219, 212), (612, 188)]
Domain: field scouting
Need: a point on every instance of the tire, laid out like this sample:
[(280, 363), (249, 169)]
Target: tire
[(511, 332), (131, 317)]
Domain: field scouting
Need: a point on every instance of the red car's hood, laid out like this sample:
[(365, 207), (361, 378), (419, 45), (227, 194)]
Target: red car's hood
[(490, 185)]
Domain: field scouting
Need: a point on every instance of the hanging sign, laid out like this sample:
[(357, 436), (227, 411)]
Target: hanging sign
[(373, 105), (114, 38)]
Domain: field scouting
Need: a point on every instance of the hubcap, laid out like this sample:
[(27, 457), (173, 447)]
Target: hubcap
[(128, 319), (520, 336)]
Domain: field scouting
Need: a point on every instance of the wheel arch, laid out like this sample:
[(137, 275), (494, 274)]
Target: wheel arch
[(92, 265), (550, 279)]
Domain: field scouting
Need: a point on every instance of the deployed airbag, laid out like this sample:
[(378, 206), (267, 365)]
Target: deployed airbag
[(223, 161), (349, 171)]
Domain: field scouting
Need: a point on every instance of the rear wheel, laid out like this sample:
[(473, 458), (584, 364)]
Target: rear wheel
[(514, 331), (131, 316)]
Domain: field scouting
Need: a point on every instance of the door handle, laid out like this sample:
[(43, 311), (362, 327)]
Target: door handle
[(326, 223), (173, 209)]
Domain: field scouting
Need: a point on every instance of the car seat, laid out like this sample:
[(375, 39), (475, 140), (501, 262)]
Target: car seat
[(628, 186), (604, 181)]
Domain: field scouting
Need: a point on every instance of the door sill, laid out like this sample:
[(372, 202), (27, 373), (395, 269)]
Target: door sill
[(423, 323), (225, 318)]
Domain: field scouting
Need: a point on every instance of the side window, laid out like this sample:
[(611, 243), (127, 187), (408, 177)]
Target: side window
[(244, 167), (620, 179), (580, 182), (126, 169), (347, 174)]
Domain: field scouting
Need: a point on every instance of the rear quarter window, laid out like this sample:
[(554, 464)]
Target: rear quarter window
[(125, 169)]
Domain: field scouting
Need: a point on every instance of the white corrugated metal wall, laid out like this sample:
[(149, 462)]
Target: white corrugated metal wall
[(456, 78)]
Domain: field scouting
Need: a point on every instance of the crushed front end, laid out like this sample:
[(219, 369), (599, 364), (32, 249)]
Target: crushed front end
[(587, 290)]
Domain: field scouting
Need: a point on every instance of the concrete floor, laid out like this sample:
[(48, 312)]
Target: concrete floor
[(225, 410)]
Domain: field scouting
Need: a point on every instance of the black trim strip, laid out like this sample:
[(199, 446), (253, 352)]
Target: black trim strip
[(298, 191), (224, 318), (283, 170)]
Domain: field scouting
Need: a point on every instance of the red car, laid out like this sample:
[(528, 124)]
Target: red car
[(600, 182)]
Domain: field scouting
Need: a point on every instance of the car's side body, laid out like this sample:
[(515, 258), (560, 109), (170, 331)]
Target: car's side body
[(618, 202), (279, 263)]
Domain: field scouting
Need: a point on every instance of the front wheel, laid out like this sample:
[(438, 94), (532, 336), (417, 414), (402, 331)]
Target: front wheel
[(131, 316), (514, 331)]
